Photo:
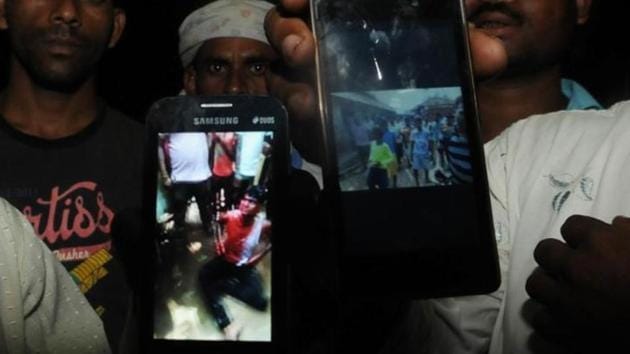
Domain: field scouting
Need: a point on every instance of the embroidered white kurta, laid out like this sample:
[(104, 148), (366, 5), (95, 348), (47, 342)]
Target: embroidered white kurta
[(41, 308)]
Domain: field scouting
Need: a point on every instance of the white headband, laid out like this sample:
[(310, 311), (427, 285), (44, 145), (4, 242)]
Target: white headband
[(220, 19)]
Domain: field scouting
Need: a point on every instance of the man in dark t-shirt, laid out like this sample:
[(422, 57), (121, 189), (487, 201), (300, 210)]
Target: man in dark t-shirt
[(69, 162)]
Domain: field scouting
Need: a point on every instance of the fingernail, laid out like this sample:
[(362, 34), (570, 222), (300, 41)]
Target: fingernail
[(290, 43)]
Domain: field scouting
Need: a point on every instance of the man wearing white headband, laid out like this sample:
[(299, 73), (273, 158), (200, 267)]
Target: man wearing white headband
[(224, 49)]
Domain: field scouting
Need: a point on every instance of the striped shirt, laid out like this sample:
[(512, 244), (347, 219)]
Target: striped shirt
[(458, 155)]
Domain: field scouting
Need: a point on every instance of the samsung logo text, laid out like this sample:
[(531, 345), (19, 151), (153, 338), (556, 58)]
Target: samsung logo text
[(215, 121)]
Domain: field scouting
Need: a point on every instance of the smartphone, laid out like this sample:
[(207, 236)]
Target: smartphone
[(216, 167), (404, 170)]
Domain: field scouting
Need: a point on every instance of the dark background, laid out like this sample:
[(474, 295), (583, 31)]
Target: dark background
[(145, 65), (600, 59)]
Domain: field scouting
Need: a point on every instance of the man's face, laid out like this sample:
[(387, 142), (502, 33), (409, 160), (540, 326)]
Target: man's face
[(536, 33), (228, 66), (60, 42), (249, 206)]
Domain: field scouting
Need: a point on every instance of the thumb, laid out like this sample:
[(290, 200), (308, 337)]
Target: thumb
[(488, 54)]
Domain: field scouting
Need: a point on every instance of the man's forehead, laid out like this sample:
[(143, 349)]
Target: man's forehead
[(255, 202), (242, 47), (115, 4)]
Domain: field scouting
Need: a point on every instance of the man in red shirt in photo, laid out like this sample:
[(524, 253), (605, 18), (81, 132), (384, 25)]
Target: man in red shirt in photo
[(244, 241)]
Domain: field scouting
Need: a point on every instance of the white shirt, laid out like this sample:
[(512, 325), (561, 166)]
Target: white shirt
[(541, 171), (189, 156), (249, 153), (41, 308)]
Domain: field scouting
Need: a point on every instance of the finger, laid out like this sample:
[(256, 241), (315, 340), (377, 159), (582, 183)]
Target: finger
[(551, 327), (488, 54), (547, 290), (298, 98), (301, 103), (555, 257), (559, 318), (582, 231), (294, 6), (292, 37)]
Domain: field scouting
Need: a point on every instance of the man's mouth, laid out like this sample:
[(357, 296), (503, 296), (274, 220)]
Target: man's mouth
[(63, 46), (495, 23), (63, 41), (491, 24)]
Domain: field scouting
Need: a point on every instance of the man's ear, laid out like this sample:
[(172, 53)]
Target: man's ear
[(3, 20), (583, 11), (190, 80), (120, 20)]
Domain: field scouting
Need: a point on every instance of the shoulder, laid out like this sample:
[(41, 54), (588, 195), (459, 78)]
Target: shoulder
[(565, 142), (11, 230), (568, 129), (12, 222), (232, 215), (577, 121), (17, 234)]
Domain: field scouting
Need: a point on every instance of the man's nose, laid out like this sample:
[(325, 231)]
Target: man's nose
[(66, 12), (236, 84)]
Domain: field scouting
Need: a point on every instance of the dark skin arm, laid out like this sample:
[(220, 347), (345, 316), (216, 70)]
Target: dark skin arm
[(584, 285)]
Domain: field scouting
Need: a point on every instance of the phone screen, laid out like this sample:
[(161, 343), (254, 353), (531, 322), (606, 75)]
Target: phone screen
[(214, 171), (402, 137), (394, 93), (215, 247)]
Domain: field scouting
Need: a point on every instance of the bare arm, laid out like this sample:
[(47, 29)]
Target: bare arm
[(166, 179), (264, 244), (225, 145)]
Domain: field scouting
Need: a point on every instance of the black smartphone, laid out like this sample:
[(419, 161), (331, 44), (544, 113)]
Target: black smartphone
[(404, 168), (216, 167)]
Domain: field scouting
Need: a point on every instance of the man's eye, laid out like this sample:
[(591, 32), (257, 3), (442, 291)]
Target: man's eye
[(216, 68), (258, 68)]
